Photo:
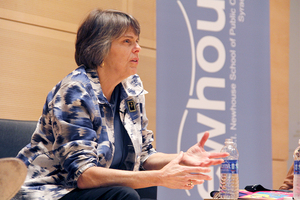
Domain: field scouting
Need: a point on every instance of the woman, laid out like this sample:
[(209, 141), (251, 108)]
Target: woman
[(289, 179), (92, 141)]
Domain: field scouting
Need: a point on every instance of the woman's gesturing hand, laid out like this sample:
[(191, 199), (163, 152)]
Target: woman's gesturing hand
[(197, 156), (177, 176)]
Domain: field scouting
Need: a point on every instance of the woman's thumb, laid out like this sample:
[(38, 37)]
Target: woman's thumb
[(178, 158)]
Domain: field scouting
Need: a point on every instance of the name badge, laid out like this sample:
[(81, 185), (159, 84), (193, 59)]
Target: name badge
[(131, 106)]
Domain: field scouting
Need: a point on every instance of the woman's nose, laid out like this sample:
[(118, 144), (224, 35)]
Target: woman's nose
[(137, 48)]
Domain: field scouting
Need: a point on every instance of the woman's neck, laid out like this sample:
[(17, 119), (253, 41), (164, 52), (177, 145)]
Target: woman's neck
[(108, 83)]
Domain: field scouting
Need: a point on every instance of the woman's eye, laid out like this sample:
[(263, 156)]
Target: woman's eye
[(127, 41)]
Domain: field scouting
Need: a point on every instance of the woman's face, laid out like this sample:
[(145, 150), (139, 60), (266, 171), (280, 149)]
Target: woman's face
[(123, 59)]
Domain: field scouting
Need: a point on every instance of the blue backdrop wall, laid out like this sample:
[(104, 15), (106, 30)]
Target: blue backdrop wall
[(213, 74)]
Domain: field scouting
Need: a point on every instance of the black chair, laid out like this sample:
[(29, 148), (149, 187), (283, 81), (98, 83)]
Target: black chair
[(15, 134)]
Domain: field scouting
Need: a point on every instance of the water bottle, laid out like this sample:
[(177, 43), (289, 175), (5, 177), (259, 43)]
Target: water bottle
[(229, 180), (296, 181)]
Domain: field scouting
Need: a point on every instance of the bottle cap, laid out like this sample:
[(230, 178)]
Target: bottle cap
[(229, 140)]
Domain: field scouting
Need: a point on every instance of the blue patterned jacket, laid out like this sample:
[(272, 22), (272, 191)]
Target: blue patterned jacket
[(75, 132)]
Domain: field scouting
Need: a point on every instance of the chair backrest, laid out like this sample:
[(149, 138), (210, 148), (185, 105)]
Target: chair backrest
[(14, 135)]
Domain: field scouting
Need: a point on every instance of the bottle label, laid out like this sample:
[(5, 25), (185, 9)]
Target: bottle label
[(297, 167), (229, 167)]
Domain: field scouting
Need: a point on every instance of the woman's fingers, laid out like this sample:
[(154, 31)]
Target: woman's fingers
[(218, 155), (196, 170), (203, 139), (177, 176), (210, 162), (199, 177), (191, 183)]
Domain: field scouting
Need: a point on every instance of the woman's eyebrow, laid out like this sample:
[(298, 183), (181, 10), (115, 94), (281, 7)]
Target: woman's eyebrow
[(129, 36)]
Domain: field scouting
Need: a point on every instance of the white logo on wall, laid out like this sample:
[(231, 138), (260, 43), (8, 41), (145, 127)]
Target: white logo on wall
[(201, 102)]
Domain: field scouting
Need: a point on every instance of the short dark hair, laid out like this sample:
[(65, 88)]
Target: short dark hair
[(96, 33)]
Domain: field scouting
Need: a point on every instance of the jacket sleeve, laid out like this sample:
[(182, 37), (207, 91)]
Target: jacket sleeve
[(147, 135), (72, 119), (288, 181)]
